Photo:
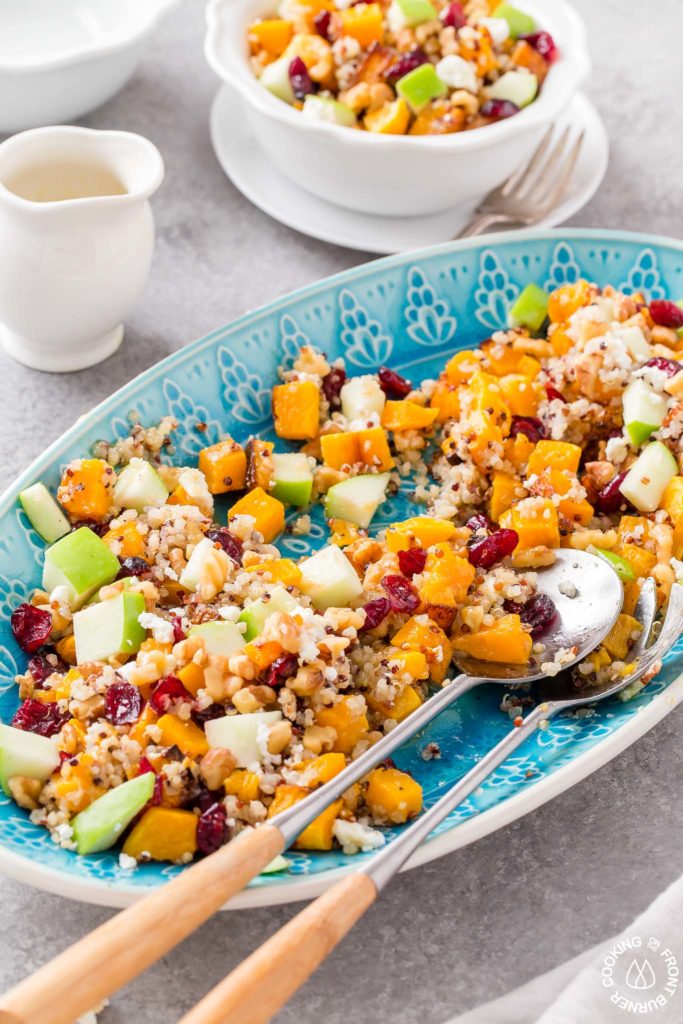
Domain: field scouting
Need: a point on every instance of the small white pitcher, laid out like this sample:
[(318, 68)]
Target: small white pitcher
[(76, 242)]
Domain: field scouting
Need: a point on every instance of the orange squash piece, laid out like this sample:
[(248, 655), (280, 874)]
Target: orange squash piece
[(522, 396), (422, 531), (505, 491), (192, 677), (75, 787), (125, 540), (66, 649), (163, 833), (224, 465), (339, 450), (316, 836), (524, 56), (446, 577), (188, 737), (373, 449), (319, 770), (535, 522), (564, 301), (406, 415), (267, 512), (349, 725), (412, 663), (560, 341), (343, 533), (280, 570), (505, 642), (86, 489), (405, 702), (263, 652), (460, 368), (440, 117), (393, 795), (364, 24), (555, 455), (446, 400), (518, 450), (146, 717), (421, 633), (296, 410), (243, 784), (272, 35)]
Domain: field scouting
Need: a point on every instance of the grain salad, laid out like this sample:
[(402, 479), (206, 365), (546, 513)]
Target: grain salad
[(186, 681)]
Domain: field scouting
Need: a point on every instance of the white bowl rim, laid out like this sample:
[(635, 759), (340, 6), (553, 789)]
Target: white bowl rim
[(152, 12), (550, 103)]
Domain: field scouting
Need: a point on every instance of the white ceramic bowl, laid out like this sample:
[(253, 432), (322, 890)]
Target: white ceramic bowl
[(61, 58), (384, 174)]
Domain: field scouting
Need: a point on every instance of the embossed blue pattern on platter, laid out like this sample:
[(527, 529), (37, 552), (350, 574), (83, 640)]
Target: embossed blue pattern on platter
[(410, 312)]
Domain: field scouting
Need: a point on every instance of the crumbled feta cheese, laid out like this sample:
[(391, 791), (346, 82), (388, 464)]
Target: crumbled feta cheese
[(497, 28), (127, 863), (162, 631), (356, 838), (457, 73)]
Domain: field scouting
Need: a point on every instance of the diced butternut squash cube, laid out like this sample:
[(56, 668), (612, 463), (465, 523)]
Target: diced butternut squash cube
[(192, 677), (412, 663), (286, 796), (296, 410), (420, 531), (224, 465), (272, 35), (623, 633), (319, 770), (373, 449), (263, 652), (446, 578), (243, 784), (678, 539), (631, 595), (404, 703), (66, 649), (163, 833), (555, 455), (501, 358), (462, 366), (486, 396), (393, 796), (75, 787), (484, 438), (179, 496), (406, 415), (267, 512), (146, 717), (185, 735), (522, 396), (364, 24), (576, 510), (343, 533), (86, 489), (421, 633), (125, 540), (319, 835), (525, 56), (672, 502), (280, 570), (641, 560), (505, 491), (633, 530), (350, 724), (535, 521), (517, 451), (564, 301), (446, 400), (339, 450), (506, 641), (560, 341)]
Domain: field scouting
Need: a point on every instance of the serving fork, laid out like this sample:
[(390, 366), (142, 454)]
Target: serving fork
[(532, 191), (263, 983)]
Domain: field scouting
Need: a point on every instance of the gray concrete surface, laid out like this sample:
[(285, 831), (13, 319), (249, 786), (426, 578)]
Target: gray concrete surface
[(474, 924)]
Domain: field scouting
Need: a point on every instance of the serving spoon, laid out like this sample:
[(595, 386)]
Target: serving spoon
[(122, 948), (263, 983)]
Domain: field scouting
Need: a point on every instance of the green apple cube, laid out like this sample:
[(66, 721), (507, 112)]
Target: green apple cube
[(257, 613), (324, 108), (420, 86), (329, 579), (242, 735), (409, 13), (101, 824), (139, 486), (44, 514), (530, 308), (649, 477), (224, 638), (519, 23), (361, 397), (644, 411), (82, 563), (275, 78), (357, 499), (27, 754), (191, 576), (519, 87), (622, 568), (292, 478), (109, 628), (635, 341), (278, 863)]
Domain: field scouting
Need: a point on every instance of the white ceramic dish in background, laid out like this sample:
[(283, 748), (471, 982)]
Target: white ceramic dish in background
[(61, 58), (76, 242), (250, 170), (393, 175)]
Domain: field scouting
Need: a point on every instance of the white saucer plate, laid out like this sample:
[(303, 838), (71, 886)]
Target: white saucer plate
[(262, 184)]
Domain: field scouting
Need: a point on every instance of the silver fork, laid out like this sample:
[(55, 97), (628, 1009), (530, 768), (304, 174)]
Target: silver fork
[(532, 191)]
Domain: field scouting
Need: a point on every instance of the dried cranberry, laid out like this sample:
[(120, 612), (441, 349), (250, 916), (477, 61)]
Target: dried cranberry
[(200, 717), (479, 523), (499, 109), (668, 366), (41, 666), (539, 612), (406, 63), (212, 829), (133, 566), (393, 384), (299, 78), (530, 426), (122, 703), (666, 313), (375, 612), (322, 24), (542, 43), (167, 691), (31, 627), (157, 793), (486, 552), (231, 544), (403, 597), (412, 561), (610, 499), (333, 382), (453, 16), (552, 394), (42, 719), (178, 631), (99, 528), (282, 669)]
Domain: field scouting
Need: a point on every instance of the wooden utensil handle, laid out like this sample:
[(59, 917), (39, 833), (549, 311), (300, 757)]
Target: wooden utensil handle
[(100, 963), (264, 982)]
